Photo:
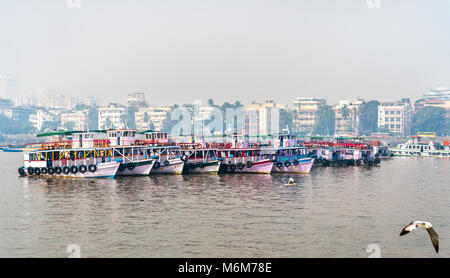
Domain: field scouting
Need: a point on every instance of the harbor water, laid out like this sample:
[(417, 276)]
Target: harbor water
[(332, 212)]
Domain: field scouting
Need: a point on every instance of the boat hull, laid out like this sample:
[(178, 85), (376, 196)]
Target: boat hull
[(175, 167), (260, 167), (209, 167), (104, 170), (303, 167), (141, 168)]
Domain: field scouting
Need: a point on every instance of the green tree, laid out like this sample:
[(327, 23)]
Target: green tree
[(286, 119), (430, 119), (345, 112), (325, 121), (93, 118), (211, 102), (368, 117), (49, 125)]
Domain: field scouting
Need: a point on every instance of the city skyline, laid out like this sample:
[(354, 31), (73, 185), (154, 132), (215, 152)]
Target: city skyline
[(175, 52)]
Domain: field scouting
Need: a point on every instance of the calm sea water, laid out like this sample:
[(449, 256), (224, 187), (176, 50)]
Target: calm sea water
[(333, 212)]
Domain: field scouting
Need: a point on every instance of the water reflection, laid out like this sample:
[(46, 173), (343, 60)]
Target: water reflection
[(331, 212)]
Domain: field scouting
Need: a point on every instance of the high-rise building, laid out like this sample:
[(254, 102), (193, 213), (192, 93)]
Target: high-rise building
[(26, 100), (136, 100), (395, 116), (9, 88), (307, 110)]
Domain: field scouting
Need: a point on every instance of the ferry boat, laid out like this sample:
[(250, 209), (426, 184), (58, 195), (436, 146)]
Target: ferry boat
[(155, 149), (201, 158), (74, 163), (289, 155), (238, 155), (414, 147), (343, 151), (135, 159), (244, 160)]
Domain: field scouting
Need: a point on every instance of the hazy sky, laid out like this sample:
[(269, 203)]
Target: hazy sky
[(177, 51)]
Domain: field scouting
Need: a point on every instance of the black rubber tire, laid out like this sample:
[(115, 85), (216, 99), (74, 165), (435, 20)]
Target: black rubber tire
[(279, 164), (66, 170), (82, 169), (184, 158), (44, 171), (37, 171), (21, 171), (74, 169), (249, 164), (296, 162), (287, 163), (241, 165), (166, 163), (58, 170), (92, 168), (232, 167), (30, 171), (50, 171), (157, 165)]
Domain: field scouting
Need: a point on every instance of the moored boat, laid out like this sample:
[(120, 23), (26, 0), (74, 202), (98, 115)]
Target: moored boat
[(417, 148)]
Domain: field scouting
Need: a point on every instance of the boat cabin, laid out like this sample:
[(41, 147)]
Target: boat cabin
[(122, 137)]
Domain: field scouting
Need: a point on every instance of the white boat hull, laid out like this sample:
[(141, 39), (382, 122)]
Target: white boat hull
[(260, 167), (211, 167), (104, 170), (303, 167), (175, 167), (143, 169)]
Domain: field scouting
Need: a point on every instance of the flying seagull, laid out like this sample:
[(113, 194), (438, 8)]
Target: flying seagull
[(427, 225)]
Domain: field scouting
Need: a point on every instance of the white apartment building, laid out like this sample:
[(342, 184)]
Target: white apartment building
[(39, 118), (112, 116), (347, 117), (136, 100), (79, 118), (307, 113), (145, 117), (395, 116)]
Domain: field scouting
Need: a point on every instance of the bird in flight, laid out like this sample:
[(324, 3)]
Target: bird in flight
[(423, 224)]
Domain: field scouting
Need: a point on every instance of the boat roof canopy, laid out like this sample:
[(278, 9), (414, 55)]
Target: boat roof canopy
[(68, 132)]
